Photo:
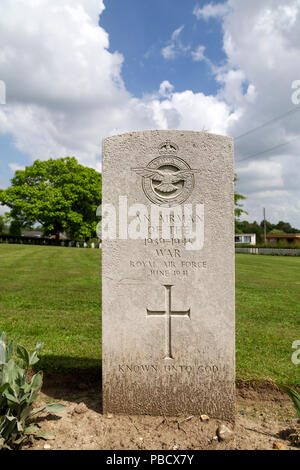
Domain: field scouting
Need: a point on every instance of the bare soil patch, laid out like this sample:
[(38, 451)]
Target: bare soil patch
[(264, 418)]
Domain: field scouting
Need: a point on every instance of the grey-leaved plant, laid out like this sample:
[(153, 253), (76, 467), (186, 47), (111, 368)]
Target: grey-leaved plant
[(18, 392)]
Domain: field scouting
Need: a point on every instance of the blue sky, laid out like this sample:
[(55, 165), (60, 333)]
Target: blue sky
[(77, 71), (9, 153), (140, 29)]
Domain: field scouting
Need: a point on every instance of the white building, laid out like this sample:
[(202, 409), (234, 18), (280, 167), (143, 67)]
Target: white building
[(245, 238)]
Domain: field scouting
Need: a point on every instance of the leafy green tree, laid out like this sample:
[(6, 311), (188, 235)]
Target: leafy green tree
[(2, 224), (269, 226), (15, 228), (285, 227), (60, 195), (247, 227), (275, 231), (281, 227), (238, 207)]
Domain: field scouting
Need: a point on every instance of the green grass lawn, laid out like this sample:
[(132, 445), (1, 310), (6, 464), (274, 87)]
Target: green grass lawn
[(267, 317), (53, 294)]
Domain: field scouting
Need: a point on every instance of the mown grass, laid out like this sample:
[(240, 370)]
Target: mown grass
[(53, 294), (267, 317)]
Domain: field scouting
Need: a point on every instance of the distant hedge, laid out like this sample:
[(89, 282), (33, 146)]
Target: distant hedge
[(13, 239), (268, 251), (293, 246)]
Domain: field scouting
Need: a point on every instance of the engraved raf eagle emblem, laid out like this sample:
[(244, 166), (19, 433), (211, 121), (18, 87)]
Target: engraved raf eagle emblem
[(166, 179)]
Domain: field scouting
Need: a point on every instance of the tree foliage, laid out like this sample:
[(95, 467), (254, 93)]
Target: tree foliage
[(238, 207), (61, 195), (250, 227), (281, 227), (253, 227), (2, 224), (15, 228)]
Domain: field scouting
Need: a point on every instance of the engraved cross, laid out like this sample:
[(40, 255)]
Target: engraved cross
[(168, 313)]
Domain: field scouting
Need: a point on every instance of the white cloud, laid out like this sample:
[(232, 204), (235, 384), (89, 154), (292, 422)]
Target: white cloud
[(166, 89), (198, 54), (3, 210), (61, 79), (176, 33), (197, 111), (2, 92), (65, 90), (169, 52), (16, 166), (261, 176), (175, 46), (211, 10), (261, 43)]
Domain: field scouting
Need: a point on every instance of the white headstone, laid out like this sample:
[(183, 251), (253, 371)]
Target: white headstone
[(168, 274)]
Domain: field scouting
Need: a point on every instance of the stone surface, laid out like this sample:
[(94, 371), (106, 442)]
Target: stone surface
[(81, 408), (224, 433), (204, 418), (278, 446), (168, 303)]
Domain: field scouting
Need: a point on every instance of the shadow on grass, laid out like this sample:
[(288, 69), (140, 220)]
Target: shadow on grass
[(73, 379), (60, 363)]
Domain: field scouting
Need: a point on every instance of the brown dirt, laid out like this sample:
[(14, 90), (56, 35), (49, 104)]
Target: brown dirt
[(264, 416)]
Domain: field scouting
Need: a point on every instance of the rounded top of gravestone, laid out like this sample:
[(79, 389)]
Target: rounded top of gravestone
[(170, 131)]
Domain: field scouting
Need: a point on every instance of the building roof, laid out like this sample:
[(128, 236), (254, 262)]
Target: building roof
[(32, 233), (283, 235), (243, 234)]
